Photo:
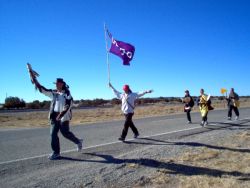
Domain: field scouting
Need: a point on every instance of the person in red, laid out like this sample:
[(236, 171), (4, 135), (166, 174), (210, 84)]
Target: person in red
[(128, 105)]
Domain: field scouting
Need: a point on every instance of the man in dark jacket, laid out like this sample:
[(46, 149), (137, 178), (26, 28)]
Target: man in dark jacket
[(233, 104)]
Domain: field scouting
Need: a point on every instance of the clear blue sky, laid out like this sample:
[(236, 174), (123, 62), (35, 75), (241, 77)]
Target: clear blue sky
[(180, 44)]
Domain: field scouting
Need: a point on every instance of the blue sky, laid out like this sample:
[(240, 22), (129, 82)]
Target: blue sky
[(180, 44)]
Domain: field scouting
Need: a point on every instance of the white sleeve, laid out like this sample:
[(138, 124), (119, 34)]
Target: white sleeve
[(140, 94), (47, 92), (117, 93)]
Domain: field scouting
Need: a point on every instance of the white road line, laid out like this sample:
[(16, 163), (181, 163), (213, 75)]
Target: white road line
[(110, 143)]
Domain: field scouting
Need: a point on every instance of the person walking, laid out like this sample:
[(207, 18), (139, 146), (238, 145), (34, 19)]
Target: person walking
[(204, 103), (128, 105), (233, 104), (189, 103), (60, 114)]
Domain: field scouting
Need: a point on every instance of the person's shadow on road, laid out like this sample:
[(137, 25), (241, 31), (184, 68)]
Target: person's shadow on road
[(171, 167), (151, 141)]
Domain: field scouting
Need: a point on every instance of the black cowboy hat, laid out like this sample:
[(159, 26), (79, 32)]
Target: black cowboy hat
[(59, 80)]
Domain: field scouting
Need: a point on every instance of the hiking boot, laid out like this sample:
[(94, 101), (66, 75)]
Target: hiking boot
[(79, 145), (54, 156)]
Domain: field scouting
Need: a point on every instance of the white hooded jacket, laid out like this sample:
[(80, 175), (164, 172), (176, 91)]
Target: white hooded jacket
[(128, 100)]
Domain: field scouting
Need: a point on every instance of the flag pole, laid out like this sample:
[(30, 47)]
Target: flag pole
[(107, 51)]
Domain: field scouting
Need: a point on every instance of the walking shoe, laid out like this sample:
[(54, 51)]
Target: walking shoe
[(229, 118), (237, 118), (79, 145), (202, 123), (205, 123), (54, 156), (189, 122), (121, 139), (136, 135)]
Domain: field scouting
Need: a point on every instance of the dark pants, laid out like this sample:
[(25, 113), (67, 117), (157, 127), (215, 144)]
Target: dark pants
[(188, 115), (204, 118), (128, 123), (64, 128), (236, 111)]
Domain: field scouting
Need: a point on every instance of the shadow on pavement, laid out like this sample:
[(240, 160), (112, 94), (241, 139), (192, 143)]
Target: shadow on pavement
[(193, 144)]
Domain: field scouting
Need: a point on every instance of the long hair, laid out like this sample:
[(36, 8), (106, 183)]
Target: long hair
[(66, 88)]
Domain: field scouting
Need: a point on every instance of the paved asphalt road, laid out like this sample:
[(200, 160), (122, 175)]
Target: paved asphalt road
[(30, 143)]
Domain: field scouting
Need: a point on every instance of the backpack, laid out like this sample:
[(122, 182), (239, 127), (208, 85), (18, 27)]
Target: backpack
[(209, 102)]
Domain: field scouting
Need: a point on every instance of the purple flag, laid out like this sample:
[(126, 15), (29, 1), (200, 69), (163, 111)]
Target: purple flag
[(124, 50)]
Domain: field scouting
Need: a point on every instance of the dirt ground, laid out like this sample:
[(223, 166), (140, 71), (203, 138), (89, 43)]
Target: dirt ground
[(228, 155)]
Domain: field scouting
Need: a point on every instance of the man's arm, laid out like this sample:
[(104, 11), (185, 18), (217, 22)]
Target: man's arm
[(144, 92), (117, 93), (42, 89)]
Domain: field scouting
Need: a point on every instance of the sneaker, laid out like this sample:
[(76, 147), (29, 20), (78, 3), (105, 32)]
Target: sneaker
[(54, 156), (229, 118), (205, 123), (189, 122), (121, 139), (202, 123), (237, 118), (79, 145), (136, 135)]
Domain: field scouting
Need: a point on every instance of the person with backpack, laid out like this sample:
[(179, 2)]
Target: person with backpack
[(128, 105), (189, 103), (204, 103), (233, 104), (60, 114)]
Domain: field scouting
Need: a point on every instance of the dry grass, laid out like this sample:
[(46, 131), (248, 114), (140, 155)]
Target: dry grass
[(39, 119), (228, 160), (24, 119)]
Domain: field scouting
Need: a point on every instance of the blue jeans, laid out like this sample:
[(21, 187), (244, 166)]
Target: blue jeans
[(64, 128)]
